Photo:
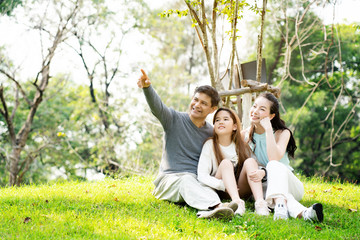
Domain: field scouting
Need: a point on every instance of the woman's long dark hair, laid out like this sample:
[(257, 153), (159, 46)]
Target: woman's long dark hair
[(242, 150), (277, 123)]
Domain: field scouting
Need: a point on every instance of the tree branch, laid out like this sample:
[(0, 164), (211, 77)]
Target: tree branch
[(17, 85), (5, 113)]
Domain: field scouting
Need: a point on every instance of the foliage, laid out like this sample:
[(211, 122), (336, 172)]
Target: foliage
[(19, 161), (44, 135), (125, 209), (205, 19), (7, 6), (103, 55), (320, 90), (329, 134), (78, 129)]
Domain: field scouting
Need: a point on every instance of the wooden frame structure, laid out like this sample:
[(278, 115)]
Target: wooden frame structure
[(245, 90)]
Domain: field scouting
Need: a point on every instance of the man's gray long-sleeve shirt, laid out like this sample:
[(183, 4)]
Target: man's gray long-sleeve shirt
[(183, 139)]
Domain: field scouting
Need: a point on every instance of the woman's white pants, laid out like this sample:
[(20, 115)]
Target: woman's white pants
[(281, 182)]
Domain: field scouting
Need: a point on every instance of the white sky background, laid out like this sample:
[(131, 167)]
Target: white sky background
[(24, 45), (346, 11)]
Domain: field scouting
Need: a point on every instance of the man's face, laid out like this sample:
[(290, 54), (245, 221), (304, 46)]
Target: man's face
[(200, 106)]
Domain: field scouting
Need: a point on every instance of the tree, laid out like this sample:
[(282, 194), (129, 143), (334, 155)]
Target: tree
[(205, 20), (101, 57), (18, 163)]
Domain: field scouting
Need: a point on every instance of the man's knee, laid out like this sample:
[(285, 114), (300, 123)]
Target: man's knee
[(186, 181)]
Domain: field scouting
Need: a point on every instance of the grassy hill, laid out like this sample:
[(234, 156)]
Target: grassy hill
[(126, 209)]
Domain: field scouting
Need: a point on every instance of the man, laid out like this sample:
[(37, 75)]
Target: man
[(185, 134)]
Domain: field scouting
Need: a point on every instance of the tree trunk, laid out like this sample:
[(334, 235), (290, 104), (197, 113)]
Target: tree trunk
[(14, 165), (260, 42)]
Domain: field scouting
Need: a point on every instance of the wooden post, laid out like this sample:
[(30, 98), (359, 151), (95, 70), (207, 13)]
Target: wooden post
[(246, 105), (238, 85)]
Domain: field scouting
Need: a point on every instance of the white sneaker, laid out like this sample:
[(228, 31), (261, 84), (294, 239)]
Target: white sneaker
[(241, 208), (261, 208), (281, 211), (314, 213), (219, 213)]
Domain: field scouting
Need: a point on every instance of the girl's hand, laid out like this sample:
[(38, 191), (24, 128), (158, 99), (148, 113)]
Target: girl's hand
[(257, 175), (265, 123)]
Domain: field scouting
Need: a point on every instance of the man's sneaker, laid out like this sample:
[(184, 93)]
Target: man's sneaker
[(219, 213), (281, 211), (233, 205), (261, 208), (314, 213)]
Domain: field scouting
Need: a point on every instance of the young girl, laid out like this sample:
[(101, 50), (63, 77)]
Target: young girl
[(272, 142), (224, 163)]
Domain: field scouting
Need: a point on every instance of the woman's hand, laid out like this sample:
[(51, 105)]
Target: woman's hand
[(257, 175), (266, 123)]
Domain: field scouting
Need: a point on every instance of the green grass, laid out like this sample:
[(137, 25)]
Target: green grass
[(126, 209)]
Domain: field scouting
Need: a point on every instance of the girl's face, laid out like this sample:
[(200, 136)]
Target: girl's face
[(260, 109), (224, 124)]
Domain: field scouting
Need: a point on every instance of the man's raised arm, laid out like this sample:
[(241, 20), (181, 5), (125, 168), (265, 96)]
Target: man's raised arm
[(158, 108)]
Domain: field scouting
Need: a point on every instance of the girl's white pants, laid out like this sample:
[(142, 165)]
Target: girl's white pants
[(281, 182)]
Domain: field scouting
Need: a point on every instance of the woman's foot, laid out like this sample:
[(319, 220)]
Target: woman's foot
[(261, 208), (314, 213), (281, 211)]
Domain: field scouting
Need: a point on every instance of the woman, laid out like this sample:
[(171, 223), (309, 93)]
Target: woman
[(225, 164), (272, 142)]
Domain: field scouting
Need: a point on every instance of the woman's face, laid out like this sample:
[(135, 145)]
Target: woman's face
[(223, 123), (260, 109)]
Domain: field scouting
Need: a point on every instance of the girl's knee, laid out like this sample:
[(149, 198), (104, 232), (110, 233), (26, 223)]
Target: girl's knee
[(250, 162), (226, 163)]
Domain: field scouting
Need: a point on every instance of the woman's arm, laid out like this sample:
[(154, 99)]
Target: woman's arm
[(277, 142), (206, 164)]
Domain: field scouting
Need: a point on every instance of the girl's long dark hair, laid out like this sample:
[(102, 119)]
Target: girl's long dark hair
[(277, 123), (243, 150)]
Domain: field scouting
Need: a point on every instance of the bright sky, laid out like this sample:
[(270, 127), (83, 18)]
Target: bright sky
[(23, 45), (346, 11)]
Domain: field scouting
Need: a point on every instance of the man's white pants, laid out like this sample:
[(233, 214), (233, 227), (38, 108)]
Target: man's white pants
[(184, 187), (281, 182)]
